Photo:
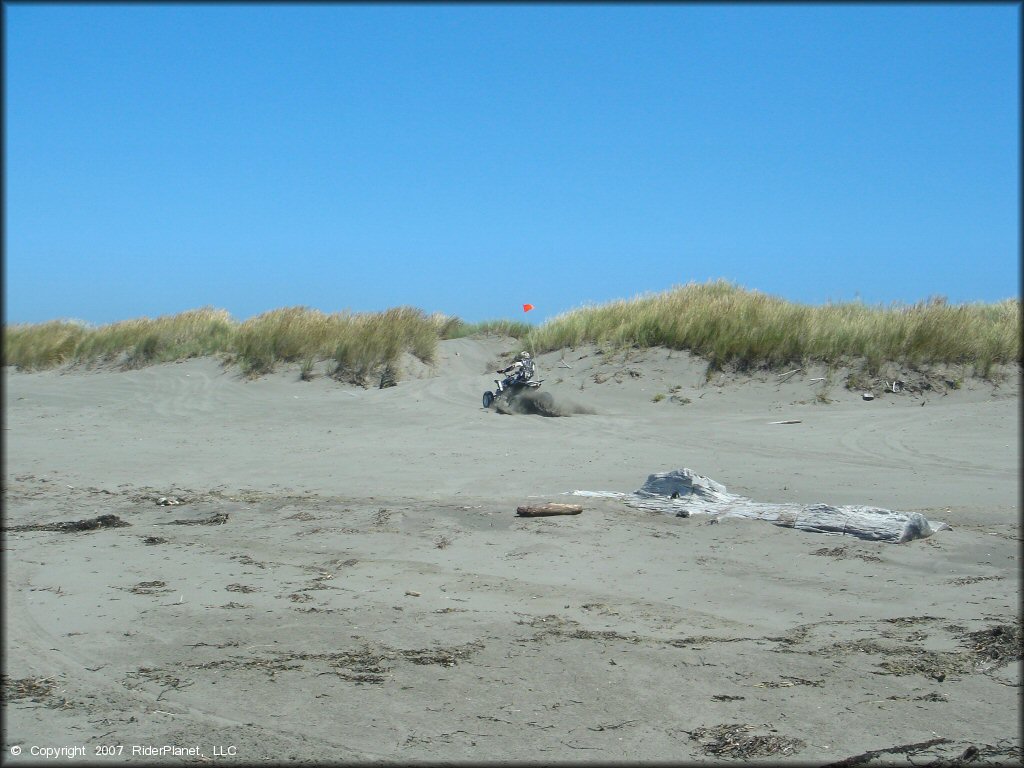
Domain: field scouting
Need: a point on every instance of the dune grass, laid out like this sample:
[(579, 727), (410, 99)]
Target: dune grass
[(133, 343), (725, 324), (144, 341), (358, 344), (37, 346), (515, 329), (728, 325)]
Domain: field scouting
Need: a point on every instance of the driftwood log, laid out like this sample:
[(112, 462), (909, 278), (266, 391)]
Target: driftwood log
[(545, 510), (682, 492)]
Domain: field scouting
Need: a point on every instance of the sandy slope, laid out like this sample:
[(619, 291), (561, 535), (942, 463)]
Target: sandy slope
[(288, 631)]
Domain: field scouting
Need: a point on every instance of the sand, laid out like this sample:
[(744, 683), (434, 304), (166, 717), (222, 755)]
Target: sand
[(316, 571)]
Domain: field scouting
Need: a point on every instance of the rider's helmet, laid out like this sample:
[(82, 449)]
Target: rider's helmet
[(525, 355)]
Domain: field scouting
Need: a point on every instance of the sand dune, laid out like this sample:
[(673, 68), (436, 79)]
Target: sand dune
[(312, 570)]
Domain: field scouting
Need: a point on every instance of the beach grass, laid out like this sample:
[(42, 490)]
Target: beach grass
[(133, 343), (719, 321), (143, 341), (729, 325), (38, 346), (358, 344), (514, 328)]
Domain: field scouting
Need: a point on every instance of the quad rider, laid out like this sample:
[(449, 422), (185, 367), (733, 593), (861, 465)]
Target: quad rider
[(520, 370)]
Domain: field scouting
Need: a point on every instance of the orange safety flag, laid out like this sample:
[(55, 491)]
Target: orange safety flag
[(527, 307)]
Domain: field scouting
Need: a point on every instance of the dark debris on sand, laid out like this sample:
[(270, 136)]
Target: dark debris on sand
[(34, 688), (73, 526), (362, 665), (218, 519), (1005, 752), (735, 740), (1000, 643), (40, 690)]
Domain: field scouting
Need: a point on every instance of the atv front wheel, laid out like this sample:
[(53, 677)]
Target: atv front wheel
[(488, 399)]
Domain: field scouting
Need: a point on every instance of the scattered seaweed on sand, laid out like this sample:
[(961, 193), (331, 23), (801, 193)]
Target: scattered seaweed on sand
[(246, 560), (73, 526), (446, 657), (964, 580), (40, 690), (217, 519), (149, 588), (987, 649), (362, 665), (318, 583), (34, 688), (556, 625), (937, 665), (911, 620), (900, 649), (933, 696), (151, 495), (904, 659), (162, 677), (735, 740), (841, 553), (999, 644), (901, 749), (1005, 752), (788, 682)]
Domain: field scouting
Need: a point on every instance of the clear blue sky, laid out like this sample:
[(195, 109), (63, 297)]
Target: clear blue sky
[(470, 158)]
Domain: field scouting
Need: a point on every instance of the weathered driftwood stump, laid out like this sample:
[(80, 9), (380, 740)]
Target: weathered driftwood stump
[(683, 490), (545, 510)]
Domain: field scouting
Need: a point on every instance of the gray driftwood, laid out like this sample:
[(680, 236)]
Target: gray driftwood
[(545, 510), (684, 491)]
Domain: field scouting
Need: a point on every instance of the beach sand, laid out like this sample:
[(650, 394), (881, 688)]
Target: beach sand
[(345, 577)]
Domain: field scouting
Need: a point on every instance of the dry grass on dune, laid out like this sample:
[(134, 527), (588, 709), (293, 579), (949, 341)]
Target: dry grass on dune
[(514, 328), (729, 325), (133, 342), (357, 343), (37, 346), (719, 321)]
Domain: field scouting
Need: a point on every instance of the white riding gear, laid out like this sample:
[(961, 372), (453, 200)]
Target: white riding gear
[(520, 370)]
